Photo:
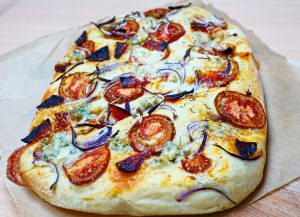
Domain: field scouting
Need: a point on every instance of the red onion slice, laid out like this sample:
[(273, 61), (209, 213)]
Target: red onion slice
[(106, 108), (228, 66), (218, 18), (107, 68), (166, 29), (192, 127), (203, 143), (88, 92), (152, 30), (54, 179), (182, 66), (105, 32), (188, 193), (100, 138), (104, 22), (116, 79), (160, 105), (173, 7), (66, 72), (127, 106), (177, 96), (167, 70), (98, 126), (238, 156), (157, 93)]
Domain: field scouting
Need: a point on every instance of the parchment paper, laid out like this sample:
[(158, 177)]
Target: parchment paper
[(27, 71)]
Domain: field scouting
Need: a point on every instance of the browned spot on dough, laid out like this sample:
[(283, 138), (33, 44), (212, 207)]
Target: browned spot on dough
[(244, 55), (47, 94), (123, 181)]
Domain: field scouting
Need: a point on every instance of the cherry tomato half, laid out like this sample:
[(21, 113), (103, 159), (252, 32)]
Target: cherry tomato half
[(89, 166), (74, 86), (171, 33), (124, 29), (157, 13), (199, 163), (153, 132), (240, 110)]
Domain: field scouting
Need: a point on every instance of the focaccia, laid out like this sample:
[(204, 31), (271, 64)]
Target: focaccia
[(152, 113)]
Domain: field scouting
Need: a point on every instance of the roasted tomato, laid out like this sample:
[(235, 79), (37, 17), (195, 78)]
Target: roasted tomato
[(199, 163), (118, 113), (209, 27), (88, 47), (120, 91), (154, 45), (168, 32), (157, 13), (240, 110), (13, 166), (124, 29), (153, 132), (89, 166), (74, 86), (220, 78), (62, 121)]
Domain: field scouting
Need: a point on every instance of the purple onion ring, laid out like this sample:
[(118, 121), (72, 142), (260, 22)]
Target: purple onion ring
[(188, 193), (96, 141)]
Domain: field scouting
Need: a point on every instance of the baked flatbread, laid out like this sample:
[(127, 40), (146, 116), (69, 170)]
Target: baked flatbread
[(152, 113)]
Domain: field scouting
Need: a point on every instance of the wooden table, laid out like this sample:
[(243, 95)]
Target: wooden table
[(276, 22)]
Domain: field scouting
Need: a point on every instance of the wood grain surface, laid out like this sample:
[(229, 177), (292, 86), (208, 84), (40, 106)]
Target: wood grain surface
[(276, 22)]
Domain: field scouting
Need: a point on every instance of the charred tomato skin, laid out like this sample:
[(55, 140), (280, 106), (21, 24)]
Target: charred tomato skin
[(90, 166), (73, 86), (52, 101), (99, 55), (13, 166), (240, 110), (157, 13), (149, 127)]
